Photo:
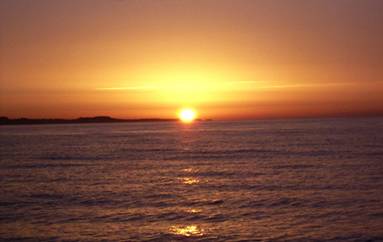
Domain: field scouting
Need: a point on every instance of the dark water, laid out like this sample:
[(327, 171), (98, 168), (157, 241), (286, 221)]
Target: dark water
[(222, 181)]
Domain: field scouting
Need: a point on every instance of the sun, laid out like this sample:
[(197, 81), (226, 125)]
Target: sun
[(187, 115)]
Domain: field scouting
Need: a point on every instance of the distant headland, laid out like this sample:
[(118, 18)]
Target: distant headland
[(97, 119)]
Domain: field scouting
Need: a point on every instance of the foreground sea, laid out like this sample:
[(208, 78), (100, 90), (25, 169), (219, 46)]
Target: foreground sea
[(278, 180)]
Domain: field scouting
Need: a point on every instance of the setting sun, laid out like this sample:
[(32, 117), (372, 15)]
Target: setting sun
[(191, 120), (187, 115)]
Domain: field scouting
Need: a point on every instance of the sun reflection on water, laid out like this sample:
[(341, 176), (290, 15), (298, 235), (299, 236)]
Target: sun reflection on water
[(188, 231), (193, 210), (188, 170), (190, 180)]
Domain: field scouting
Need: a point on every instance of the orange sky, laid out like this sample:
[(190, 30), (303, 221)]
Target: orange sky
[(229, 59)]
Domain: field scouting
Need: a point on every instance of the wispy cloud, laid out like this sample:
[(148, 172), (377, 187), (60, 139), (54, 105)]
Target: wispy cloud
[(232, 84), (302, 85), (127, 88), (277, 85)]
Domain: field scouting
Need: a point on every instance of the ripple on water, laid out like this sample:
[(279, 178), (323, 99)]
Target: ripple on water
[(189, 180), (162, 182), (187, 230)]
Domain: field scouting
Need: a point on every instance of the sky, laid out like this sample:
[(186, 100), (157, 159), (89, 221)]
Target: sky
[(228, 59)]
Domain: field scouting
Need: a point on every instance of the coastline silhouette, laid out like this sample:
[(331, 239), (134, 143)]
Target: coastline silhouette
[(97, 119)]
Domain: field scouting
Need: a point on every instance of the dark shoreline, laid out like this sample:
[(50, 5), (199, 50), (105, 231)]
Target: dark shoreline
[(82, 120)]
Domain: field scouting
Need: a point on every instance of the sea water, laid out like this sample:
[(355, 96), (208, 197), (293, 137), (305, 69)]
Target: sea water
[(308, 179)]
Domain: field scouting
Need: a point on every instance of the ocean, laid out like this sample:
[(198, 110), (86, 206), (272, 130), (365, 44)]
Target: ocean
[(265, 180)]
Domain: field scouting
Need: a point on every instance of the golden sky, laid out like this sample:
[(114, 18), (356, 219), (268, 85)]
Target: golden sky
[(228, 59)]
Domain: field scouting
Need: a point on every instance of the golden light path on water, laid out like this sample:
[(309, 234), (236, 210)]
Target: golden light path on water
[(188, 230), (190, 180), (194, 210)]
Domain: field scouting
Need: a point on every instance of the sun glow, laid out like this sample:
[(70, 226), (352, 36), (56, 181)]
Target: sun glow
[(187, 115)]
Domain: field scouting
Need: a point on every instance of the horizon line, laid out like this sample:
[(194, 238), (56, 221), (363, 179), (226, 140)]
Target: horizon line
[(266, 117)]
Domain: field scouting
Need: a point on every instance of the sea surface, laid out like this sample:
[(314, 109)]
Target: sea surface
[(270, 180)]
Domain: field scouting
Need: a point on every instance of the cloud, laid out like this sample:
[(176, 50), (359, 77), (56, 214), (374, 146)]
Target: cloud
[(127, 88), (225, 85)]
